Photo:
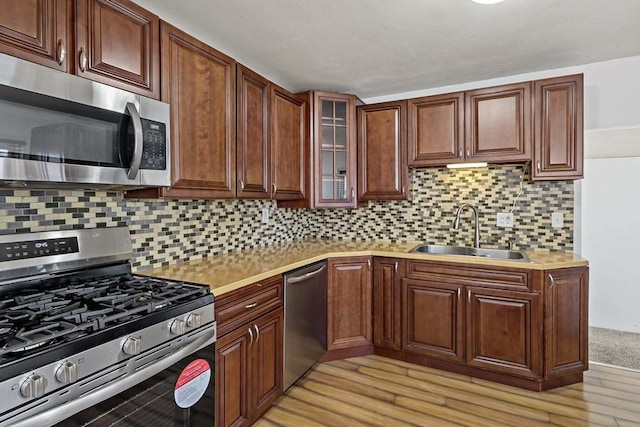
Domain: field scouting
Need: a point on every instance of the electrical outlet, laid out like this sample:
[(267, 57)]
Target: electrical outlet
[(505, 219), (265, 215), (557, 220)]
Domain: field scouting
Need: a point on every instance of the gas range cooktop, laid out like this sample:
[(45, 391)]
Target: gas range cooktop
[(32, 320)]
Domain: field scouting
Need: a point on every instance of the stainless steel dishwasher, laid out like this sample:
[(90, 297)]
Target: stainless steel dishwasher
[(305, 319)]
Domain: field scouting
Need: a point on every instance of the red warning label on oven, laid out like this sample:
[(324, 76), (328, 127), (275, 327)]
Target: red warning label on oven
[(192, 383)]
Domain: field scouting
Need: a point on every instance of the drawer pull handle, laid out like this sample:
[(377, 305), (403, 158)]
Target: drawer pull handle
[(396, 266), (83, 60), (469, 296), (248, 306), (250, 336), (551, 281), (459, 293), (257, 332), (62, 52), (538, 165)]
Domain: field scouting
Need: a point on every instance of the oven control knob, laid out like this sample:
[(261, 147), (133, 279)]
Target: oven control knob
[(132, 346), (177, 327), (67, 373), (194, 320), (33, 386)]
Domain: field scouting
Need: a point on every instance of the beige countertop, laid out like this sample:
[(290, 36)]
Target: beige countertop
[(224, 273)]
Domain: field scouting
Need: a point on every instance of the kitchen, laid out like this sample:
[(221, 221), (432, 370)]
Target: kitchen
[(186, 231)]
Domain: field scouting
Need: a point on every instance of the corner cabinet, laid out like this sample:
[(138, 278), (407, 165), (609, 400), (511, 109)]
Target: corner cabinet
[(349, 303), (199, 84), (382, 151), (287, 141), (330, 153), (558, 130), (249, 352)]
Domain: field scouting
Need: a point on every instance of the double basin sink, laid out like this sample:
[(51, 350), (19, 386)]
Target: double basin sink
[(502, 254)]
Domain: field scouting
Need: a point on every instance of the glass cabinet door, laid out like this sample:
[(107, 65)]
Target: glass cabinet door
[(335, 151)]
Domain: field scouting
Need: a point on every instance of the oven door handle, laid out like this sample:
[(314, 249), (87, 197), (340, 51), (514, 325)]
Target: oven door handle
[(68, 409), (136, 160)]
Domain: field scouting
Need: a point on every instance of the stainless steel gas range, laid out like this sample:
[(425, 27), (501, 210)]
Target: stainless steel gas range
[(83, 341)]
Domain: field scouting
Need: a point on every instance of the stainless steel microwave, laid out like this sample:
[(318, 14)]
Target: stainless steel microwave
[(57, 129)]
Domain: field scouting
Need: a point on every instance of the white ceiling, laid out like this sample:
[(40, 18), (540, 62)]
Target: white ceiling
[(381, 47)]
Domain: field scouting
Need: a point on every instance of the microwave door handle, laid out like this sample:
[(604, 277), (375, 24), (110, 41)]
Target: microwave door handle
[(137, 148)]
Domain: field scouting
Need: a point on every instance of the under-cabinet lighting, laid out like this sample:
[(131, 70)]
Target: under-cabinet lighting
[(466, 165), (487, 1)]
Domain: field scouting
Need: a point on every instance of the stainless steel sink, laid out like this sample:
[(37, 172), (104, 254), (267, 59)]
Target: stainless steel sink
[(476, 252)]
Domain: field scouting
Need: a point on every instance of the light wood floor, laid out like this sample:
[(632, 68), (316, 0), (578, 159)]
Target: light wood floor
[(376, 391)]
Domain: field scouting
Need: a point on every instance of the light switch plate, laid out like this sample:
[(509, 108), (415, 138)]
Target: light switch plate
[(557, 220), (505, 219), (265, 215)]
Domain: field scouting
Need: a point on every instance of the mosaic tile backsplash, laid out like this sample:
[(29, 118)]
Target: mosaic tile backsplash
[(168, 231)]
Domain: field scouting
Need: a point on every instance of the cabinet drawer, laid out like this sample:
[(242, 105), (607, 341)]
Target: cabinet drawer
[(248, 303), (491, 277)]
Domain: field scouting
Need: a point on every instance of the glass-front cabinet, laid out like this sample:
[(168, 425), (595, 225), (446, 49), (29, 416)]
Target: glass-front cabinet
[(334, 150)]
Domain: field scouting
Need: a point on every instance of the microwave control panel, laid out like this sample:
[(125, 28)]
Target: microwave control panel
[(154, 135)]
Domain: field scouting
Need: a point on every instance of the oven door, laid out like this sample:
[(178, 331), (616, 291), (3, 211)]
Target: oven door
[(181, 395)]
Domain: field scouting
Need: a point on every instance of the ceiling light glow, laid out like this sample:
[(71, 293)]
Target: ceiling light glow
[(487, 1)]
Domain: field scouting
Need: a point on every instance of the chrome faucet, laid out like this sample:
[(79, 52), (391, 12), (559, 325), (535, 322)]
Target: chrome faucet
[(456, 222)]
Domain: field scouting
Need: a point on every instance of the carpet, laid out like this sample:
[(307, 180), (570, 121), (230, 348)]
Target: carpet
[(613, 347)]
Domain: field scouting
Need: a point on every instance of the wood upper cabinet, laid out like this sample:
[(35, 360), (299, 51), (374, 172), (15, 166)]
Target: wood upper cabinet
[(199, 84), (252, 142), (387, 297), (117, 44), (498, 123), (287, 141), (382, 153), (38, 31), (566, 321), (349, 298), (433, 319), (436, 130), (503, 331), (558, 131)]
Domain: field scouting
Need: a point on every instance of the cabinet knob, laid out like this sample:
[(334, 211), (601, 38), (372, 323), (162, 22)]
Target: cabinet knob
[(62, 52), (83, 60), (67, 373), (33, 386)]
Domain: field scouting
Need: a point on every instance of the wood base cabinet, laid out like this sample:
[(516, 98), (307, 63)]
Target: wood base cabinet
[(525, 328), (249, 358), (349, 322)]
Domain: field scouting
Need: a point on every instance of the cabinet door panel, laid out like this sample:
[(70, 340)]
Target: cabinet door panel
[(119, 41), (436, 130), (566, 321), (287, 139), (382, 153), (433, 319), (349, 303), (267, 361), (38, 31), (232, 373), (559, 125), (387, 293), (498, 123), (253, 141), (199, 83), (503, 331)]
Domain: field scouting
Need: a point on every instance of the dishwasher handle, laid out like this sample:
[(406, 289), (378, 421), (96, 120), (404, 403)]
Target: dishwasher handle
[(298, 279)]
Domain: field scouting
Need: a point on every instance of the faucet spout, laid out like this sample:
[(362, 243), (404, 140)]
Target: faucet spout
[(456, 222)]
